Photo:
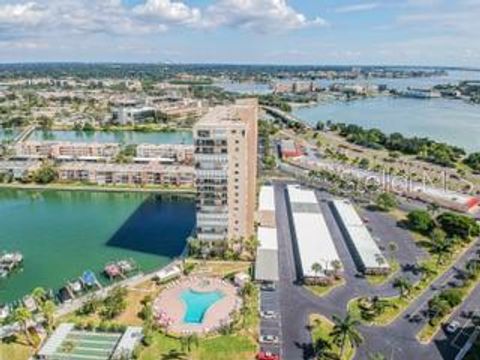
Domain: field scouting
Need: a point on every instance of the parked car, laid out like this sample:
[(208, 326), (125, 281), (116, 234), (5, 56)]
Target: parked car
[(268, 287), (268, 314), (452, 327), (269, 339), (415, 318), (267, 356)]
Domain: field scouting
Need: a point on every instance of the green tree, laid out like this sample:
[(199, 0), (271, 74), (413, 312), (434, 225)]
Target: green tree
[(114, 304), (39, 294), (45, 174), (403, 285), (420, 221), (459, 225), (23, 316), (317, 268), (45, 122), (48, 310), (439, 245), (386, 201), (345, 331)]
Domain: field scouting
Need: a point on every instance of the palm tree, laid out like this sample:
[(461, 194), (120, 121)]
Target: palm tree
[(39, 294), (392, 248), (323, 350), (188, 342), (48, 310), (440, 245), (426, 271), (336, 265), (346, 330), (403, 284), (22, 315), (471, 269), (317, 268)]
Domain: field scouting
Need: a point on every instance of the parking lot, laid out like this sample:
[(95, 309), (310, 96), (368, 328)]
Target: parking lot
[(270, 320)]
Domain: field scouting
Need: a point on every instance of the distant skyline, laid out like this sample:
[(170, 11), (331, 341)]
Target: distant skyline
[(316, 32)]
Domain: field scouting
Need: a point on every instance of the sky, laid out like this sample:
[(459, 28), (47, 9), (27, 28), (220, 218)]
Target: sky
[(316, 32)]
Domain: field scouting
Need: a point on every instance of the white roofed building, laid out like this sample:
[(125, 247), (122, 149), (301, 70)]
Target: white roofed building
[(312, 236), (362, 246)]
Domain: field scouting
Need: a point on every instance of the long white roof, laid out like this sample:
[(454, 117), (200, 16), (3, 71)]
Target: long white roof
[(267, 238), (298, 194), (366, 247), (266, 199), (266, 263), (315, 244)]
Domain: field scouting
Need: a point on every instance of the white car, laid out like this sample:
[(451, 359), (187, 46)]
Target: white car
[(452, 327), (268, 314), (269, 339)]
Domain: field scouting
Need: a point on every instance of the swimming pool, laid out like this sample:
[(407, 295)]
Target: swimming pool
[(198, 303)]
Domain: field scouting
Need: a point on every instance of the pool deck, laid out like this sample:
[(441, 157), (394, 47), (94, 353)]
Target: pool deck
[(171, 304)]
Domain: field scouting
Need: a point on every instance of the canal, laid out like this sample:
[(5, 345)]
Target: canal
[(125, 137), (63, 233)]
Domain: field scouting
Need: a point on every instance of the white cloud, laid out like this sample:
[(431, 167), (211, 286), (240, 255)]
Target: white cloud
[(173, 12), (26, 14), (258, 15), (357, 8)]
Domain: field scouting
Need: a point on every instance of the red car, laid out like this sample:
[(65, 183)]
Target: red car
[(267, 356)]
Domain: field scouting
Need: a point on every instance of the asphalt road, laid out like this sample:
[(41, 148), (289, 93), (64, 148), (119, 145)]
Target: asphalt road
[(396, 341)]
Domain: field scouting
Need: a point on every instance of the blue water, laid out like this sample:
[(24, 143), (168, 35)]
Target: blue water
[(452, 121), (198, 303), (125, 137), (8, 134)]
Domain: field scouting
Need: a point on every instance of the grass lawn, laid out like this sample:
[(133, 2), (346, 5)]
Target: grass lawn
[(219, 268), (17, 348), (15, 351), (320, 330), (323, 290), (218, 348), (377, 280)]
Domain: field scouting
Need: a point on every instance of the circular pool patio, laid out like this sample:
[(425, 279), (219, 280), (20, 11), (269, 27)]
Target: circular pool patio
[(196, 305)]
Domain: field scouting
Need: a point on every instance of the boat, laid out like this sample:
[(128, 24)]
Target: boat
[(64, 295), (9, 262), (76, 286), (89, 279), (112, 270), (126, 266)]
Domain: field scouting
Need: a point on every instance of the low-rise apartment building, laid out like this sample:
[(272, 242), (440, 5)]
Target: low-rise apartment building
[(177, 153), (127, 174), (66, 150), (18, 170)]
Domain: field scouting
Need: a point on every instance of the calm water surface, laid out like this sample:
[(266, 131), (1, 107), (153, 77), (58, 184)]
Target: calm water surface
[(63, 233), (8, 134), (452, 121), (126, 137)]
